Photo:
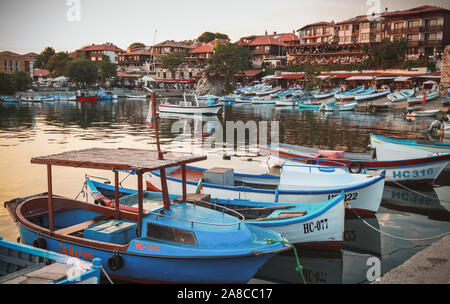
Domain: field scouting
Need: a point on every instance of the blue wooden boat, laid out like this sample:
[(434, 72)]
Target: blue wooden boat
[(287, 219), (180, 242), (314, 106), (104, 96), (23, 264), (348, 94), (11, 99)]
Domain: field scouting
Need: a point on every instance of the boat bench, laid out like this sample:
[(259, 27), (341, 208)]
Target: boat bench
[(39, 273), (82, 226)]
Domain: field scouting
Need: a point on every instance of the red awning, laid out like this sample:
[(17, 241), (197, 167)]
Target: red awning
[(175, 80)]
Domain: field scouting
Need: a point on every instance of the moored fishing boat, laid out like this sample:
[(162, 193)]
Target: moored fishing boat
[(422, 98), (177, 243), (24, 264), (324, 221), (402, 164), (368, 95), (185, 107), (425, 145), (400, 95), (308, 105), (132, 96), (347, 95), (327, 94), (426, 113), (298, 184), (90, 99), (349, 106)]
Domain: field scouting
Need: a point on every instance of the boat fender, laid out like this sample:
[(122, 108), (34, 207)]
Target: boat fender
[(18, 240), (115, 262), (99, 201), (354, 167), (40, 243)]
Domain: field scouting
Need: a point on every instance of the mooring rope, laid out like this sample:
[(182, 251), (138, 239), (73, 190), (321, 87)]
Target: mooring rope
[(299, 267), (393, 236), (106, 274), (416, 192)]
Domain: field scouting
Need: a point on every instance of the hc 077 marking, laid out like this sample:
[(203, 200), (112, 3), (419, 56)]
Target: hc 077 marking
[(315, 226)]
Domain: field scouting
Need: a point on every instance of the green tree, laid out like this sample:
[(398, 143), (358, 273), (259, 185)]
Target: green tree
[(228, 60), (42, 59), (82, 70), (107, 69), (172, 61), (136, 45), (387, 53), (209, 36), (6, 84), (21, 81), (57, 64)]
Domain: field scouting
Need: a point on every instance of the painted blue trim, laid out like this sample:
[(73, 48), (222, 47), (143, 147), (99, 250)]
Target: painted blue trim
[(409, 142)]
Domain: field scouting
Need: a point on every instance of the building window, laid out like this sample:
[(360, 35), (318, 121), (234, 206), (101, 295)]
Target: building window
[(413, 37), (347, 39), (11, 67), (17, 65), (6, 65), (431, 22), (365, 36), (365, 25), (430, 36), (398, 25), (170, 234), (412, 51), (347, 27), (413, 23)]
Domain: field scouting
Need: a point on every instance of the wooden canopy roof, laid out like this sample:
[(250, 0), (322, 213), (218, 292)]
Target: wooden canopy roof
[(120, 159)]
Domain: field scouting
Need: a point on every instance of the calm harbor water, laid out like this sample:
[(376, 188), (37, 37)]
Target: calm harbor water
[(29, 130)]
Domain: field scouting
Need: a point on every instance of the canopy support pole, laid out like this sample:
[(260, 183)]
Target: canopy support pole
[(183, 176), (164, 189), (50, 199), (140, 202), (116, 194), (158, 146)]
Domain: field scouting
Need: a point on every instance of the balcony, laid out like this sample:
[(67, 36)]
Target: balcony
[(431, 42), (432, 28)]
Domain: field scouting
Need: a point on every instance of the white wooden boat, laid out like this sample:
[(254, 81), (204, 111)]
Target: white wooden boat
[(284, 101), (130, 96), (419, 99), (400, 95), (401, 163), (347, 95), (327, 94), (264, 100), (371, 95), (185, 107), (68, 98), (298, 184), (425, 145), (426, 113), (349, 106)]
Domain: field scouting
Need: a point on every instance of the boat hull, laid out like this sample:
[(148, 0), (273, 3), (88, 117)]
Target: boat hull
[(190, 109), (91, 99), (144, 269)]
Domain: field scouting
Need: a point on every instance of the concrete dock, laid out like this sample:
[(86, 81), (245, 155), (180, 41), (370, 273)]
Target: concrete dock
[(429, 266)]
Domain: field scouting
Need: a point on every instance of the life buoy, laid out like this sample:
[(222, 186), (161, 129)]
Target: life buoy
[(40, 243), (354, 167), (115, 262)]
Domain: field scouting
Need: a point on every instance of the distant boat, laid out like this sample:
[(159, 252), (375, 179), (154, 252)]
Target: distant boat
[(420, 99), (350, 106), (315, 106), (90, 99), (347, 95), (400, 95), (327, 94), (427, 113), (186, 107), (131, 96), (236, 99), (371, 94)]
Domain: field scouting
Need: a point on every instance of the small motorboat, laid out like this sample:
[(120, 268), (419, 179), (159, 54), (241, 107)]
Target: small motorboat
[(180, 242), (348, 106), (308, 105), (425, 145), (131, 96), (288, 219), (426, 113), (24, 264)]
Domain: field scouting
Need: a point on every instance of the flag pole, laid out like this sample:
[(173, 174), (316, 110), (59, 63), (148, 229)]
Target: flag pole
[(155, 122)]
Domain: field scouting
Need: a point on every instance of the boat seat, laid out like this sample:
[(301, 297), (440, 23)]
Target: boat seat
[(37, 274), (83, 225)]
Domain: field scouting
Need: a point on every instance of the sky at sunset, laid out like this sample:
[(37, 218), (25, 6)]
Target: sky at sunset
[(67, 25)]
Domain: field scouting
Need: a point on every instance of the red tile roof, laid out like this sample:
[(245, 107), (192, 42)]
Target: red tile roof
[(125, 75), (101, 47), (40, 73), (8, 53), (417, 10), (318, 24), (275, 39), (249, 73), (206, 47)]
